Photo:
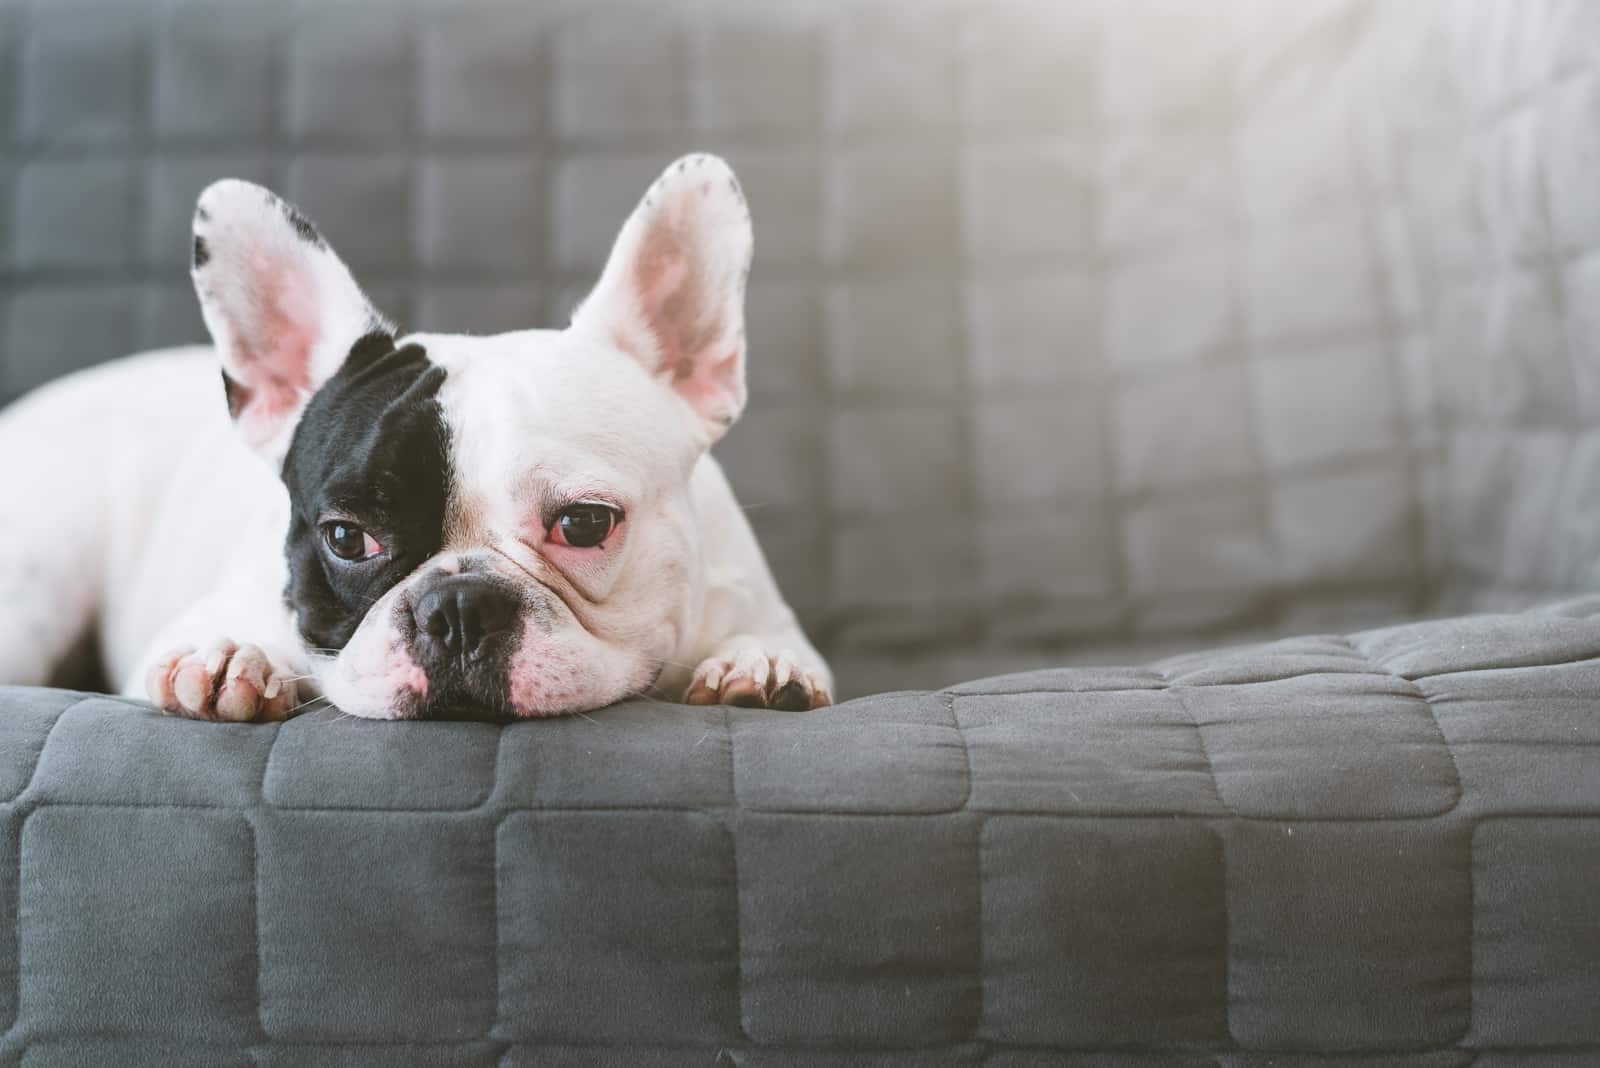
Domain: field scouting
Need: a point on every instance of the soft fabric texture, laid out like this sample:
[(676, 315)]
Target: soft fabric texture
[(1384, 844), (1182, 318)]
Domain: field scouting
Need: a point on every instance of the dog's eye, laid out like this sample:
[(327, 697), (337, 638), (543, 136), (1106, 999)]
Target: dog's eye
[(349, 542), (583, 526)]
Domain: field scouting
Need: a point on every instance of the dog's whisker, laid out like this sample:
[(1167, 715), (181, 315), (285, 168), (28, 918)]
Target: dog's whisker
[(669, 662), (656, 693), (305, 704)]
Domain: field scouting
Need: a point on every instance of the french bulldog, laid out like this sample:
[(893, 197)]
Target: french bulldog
[(411, 526)]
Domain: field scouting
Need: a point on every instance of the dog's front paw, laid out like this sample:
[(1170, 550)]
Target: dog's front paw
[(224, 681), (754, 678)]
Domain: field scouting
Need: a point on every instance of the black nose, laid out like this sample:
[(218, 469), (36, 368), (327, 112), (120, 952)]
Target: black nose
[(458, 615)]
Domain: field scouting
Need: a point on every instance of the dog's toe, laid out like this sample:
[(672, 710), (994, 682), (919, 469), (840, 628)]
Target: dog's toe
[(753, 678), (224, 681)]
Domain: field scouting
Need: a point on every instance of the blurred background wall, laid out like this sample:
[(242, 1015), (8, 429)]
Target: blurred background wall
[(1078, 329)]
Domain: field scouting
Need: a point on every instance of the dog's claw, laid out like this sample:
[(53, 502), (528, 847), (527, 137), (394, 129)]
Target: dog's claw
[(752, 678), (225, 681), (792, 696)]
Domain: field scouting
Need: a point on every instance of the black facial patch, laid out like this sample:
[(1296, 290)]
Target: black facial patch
[(202, 255), (371, 449)]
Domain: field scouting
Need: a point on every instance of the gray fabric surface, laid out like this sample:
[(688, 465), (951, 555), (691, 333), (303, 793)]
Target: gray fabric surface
[(1071, 323), (1382, 846)]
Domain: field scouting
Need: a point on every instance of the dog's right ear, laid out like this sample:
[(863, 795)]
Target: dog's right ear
[(281, 306)]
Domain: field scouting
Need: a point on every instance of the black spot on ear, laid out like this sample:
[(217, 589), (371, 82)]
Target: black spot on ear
[(237, 395), (201, 254), (302, 225)]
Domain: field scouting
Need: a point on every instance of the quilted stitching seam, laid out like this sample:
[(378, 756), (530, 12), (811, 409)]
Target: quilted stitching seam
[(1541, 665), (499, 935), (494, 891), (38, 759), (966, 751), (255, 842), (255, 925), (1176, 693), (738, 927), (15, 920), (1472, 932), (733, 757), (1433, 718), (978, 979), (981, 979)]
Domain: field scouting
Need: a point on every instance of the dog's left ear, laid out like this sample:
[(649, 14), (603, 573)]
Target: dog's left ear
[(281, 306), (672, 293)]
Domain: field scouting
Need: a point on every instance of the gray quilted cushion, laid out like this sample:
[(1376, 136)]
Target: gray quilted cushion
[(1384, 845)]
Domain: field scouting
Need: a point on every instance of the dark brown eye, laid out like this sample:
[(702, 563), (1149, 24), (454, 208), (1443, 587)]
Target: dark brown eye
[(349, 542), (584, 526)]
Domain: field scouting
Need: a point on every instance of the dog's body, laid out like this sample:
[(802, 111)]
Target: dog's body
[(415, 526)]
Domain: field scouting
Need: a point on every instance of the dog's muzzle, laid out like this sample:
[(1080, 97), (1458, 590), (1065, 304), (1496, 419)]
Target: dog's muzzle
[(464, 629)]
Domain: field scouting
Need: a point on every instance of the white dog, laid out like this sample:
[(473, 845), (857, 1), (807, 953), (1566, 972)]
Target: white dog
[(428, 525)]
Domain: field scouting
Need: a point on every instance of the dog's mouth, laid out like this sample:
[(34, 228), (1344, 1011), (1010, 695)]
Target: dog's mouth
[(465, 714), (454, 702), (477, 645)]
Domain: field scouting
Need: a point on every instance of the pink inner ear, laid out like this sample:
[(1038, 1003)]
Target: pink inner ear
[(264, 412), (273, 347), (708, 384), (660, 273), (665, 282), (685, 321)]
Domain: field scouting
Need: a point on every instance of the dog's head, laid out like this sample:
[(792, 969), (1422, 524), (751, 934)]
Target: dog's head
[(498, 522)]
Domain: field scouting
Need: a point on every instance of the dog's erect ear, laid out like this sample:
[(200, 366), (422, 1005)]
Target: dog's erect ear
[(281, 306), (672, 293)]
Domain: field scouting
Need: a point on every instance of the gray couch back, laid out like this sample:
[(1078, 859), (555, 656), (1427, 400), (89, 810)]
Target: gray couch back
[(1072, 324)]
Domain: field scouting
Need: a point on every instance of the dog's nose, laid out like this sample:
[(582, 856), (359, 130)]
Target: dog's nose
[(458, 614)]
